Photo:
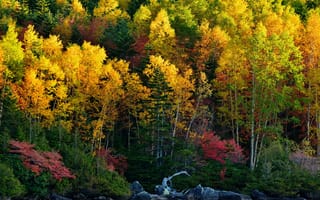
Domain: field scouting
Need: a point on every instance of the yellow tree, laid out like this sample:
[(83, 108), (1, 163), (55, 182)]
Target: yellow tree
[(107, 94), (131, 107), (32, 45), (94, 91), (3, 82), (11, 60), (162, 36), (211, 45), (13, 52), (33, 98), (232, 75), (178, 88), (235, 17), (141, 21), (309, 43), (109, 10), (52, 48)]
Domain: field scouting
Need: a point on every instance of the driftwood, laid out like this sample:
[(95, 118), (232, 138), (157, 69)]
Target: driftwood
[(166, 181)]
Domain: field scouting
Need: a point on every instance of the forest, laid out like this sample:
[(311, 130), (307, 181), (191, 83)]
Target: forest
[(95, 94)]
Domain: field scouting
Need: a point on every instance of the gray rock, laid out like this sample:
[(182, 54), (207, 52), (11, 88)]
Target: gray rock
[(194, 193), (158, 197), (160, 190), (209, 194), (55, 196), (257, 195), (100, 198), (141, 196), (227, 195), (136, 187)]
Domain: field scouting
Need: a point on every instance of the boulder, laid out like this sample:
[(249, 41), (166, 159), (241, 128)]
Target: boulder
[(136, 187), (257, 195), (141, 196), (55, 196), (194, 193), (210, 194), (227, 195), (158, 197), (312, 195), (160, 190), (100, 198)]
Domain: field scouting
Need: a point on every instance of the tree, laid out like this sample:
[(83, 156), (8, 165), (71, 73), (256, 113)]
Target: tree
[(210, 47), (309, 44), (276, 73), (162, 36), (32, 45), (170, 105), (10, 186), (221, 150), (158, 107), (109, 10), (131, 107), (141, 21), (13, 52), (272, 63)]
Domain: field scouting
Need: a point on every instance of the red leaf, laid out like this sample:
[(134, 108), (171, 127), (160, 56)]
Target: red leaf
[(40, 161), (221, 150)]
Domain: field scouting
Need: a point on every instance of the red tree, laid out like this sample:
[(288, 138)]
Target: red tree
[(221, 150), (40, 161)]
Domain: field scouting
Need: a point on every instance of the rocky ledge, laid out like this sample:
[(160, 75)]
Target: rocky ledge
[(200, 193)]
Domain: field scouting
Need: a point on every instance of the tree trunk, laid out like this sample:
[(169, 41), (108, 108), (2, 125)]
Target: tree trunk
[(252, 139), (174, 130), (129, 134), (192, 119), (308, 113)]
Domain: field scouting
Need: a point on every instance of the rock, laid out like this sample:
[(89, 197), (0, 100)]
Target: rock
[(158, 197), (136, 187), (210, 194), (160, 190), (194, 193), (55, 196), (257, 195), (100, 198), (141, 196), (310, 195), (202, 193), (226, 195)]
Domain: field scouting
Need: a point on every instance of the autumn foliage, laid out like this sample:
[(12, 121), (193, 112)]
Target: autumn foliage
[(221, 150), (38, 162), (113, 162)]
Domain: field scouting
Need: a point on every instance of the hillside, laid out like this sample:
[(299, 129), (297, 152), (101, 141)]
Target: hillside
[(112, 91)]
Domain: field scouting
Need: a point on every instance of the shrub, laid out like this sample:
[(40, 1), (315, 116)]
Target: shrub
[(221, 150), (111, 184), (39, 161), (277, 175), (10, 186), (113, 163)]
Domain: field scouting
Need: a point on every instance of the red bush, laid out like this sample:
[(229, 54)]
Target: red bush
[(221, 150), (40, 161), (113, 163)]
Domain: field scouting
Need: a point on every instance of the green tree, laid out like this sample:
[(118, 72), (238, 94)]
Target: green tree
[(276, 75), (158, 121), (13, 52), (10, 186)]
